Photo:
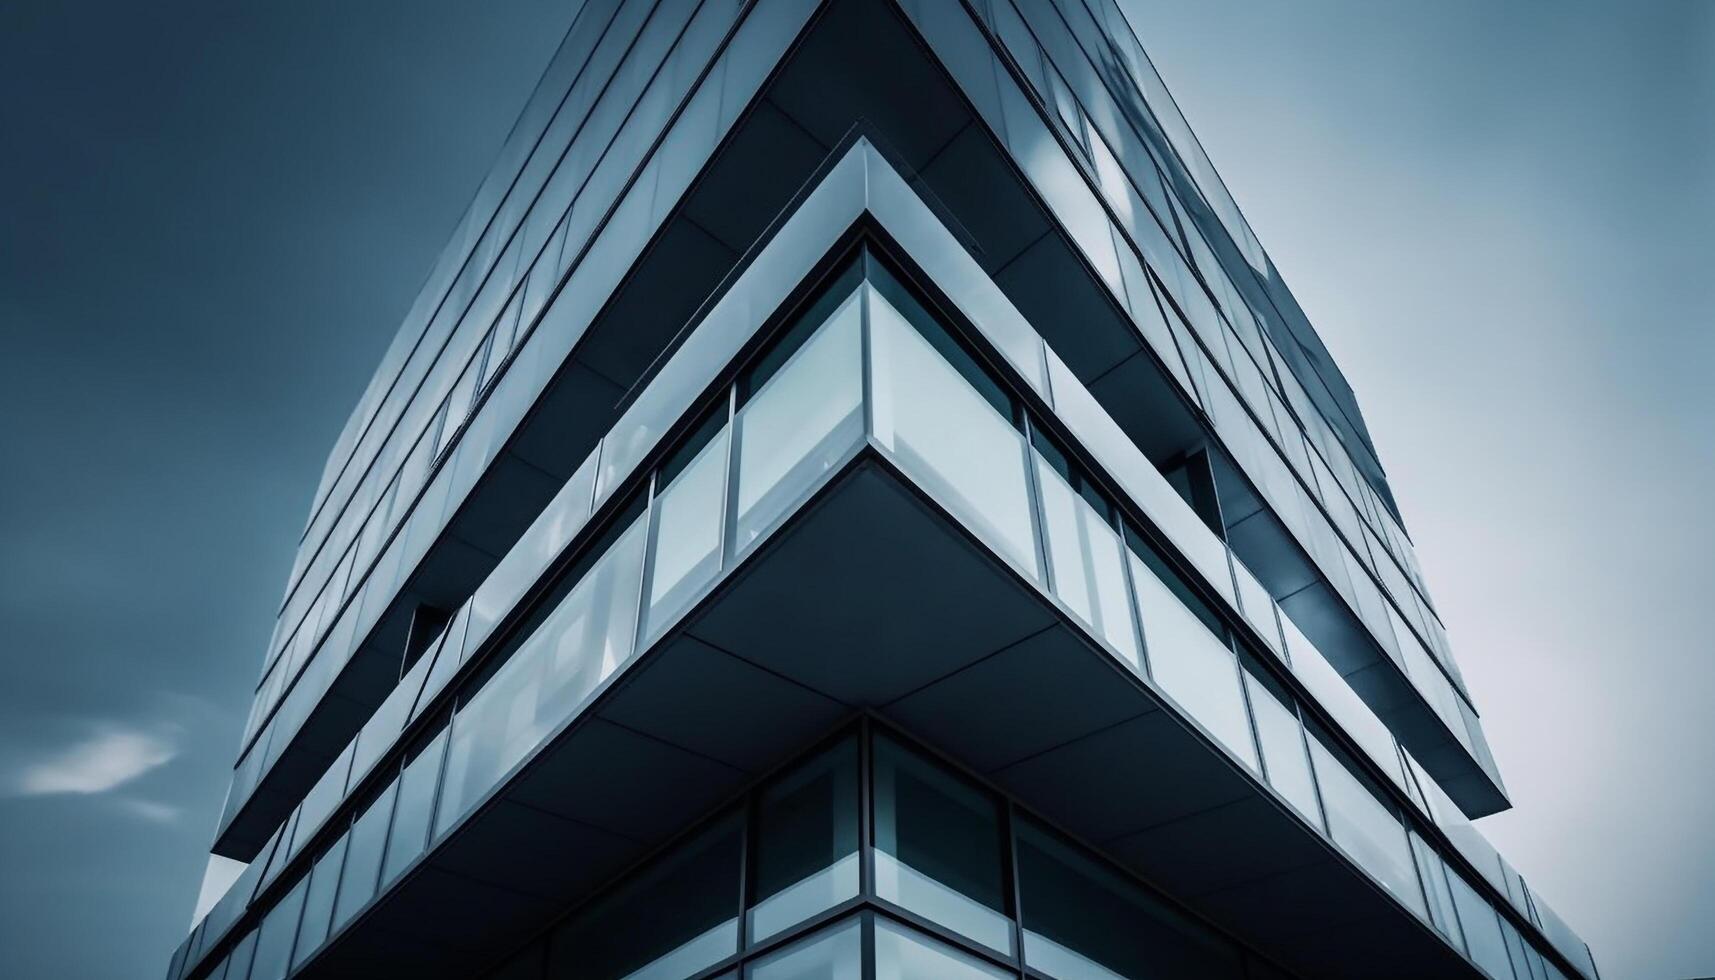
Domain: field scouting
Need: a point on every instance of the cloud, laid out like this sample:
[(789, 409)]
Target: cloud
[(151, 810), (109, 757)]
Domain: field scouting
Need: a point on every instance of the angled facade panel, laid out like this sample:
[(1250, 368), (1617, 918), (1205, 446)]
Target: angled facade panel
[(854, 498)]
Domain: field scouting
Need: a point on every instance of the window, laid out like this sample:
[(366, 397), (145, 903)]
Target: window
[(1368, 829), (833, 954), (1191, 664), (363, 858), (805, 847), (905, 954), (674, 919), (1084, 920), (1284, 754), (939, 846), (318, 903)]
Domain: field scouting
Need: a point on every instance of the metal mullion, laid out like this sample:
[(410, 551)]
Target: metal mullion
[(866, 945), (1116, 519), (866, 811), (1039, 523), (746, 832), (866, 347), (1012, 876)]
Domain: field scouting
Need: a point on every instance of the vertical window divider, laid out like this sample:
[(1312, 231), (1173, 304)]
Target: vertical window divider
[(729, 502), (746, 831), (867, 355), (639, 626), (387, 837), (866, 810), (1014, 892), (1038, 525), (440, 779), (1310, 764), (866, 948), (729, 482), (1118, 523)]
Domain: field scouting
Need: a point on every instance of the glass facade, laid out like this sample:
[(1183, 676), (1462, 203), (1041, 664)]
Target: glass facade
[(642, 365)]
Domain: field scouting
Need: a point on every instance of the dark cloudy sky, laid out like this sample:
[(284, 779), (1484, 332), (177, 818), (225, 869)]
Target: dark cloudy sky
[(213, 215)]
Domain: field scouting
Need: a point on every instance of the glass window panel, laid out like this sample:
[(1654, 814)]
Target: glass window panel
[(949, 437), (318, 902), (1368, 830), (1084, 561), (938, 847), (1284, 754), (416, 802), (1191, 664), (457, 407), (238, 964), (833, 954), (800, 423), (1484, 941), (1258, 606), (1338, 699), (1083, 920), (671, 920), (906, 954), (274, 942), (1516, 951), (805, 852), (1433, 870), (363, 858), (582, 641), (686, 536)]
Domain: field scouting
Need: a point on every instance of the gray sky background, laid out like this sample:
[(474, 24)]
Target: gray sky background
[(212, 217), (1501, 218)]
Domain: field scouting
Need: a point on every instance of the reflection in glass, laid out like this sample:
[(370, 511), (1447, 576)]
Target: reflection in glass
[(906, 954), (674, 919), (686, 535), (1369, 831), (800, 423), (416, 801), (1284, 755), (583, 640), (274, 939), (833, 954), (318, 902), (1083, 920), (938, 847), (805, 851), (1191, 664), (1084, 561), (1433, 871), (238, 964), (363, 858), (949, 437), (1483, 938)]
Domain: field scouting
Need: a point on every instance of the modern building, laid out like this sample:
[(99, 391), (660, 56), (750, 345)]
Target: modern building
[(855, 500)]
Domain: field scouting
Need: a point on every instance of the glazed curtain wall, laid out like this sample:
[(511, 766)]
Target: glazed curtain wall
[(788, 424)]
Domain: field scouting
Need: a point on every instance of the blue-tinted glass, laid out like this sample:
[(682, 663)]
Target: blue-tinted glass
[(949, 437), (1484, 940), (416, 801), (318, 902), (1082, 919), (671, 920), (279, 930), (833, 954), (799, 424), (905, 954), (1368, 829), (938, 846), (805, 849), (363, 858)]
